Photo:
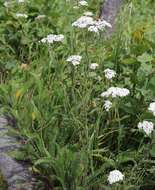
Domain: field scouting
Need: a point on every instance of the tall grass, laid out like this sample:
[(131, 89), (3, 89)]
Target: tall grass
[(69, 138)]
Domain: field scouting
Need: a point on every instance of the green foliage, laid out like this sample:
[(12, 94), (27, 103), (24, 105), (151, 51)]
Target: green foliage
[(68, 137)]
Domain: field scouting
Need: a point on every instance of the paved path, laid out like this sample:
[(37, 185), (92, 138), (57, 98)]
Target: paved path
[(16, 175)]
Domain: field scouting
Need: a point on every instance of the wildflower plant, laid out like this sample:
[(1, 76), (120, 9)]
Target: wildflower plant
[(84, 102)]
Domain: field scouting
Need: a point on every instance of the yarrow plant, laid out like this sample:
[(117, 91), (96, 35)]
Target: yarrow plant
[(146, 126), (72, 107), (74, 59), (115, 92), (115, 176), (51, 38), (109, 73)]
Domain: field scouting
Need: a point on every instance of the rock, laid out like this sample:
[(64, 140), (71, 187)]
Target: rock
[(16, 174), (109, 12)]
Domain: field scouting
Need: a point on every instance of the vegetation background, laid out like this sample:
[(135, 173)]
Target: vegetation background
[(70, 140)]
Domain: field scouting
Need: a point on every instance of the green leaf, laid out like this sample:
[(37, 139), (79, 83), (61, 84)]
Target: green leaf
[(125, 157), (144, 58), (129, 61), (152, 151)]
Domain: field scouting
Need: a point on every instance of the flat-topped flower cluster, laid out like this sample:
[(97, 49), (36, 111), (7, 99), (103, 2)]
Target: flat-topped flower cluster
[(51, 38), (92, 25)]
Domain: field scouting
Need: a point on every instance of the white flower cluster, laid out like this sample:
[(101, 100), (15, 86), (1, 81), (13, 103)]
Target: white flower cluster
[(83, 3), (21, 15), (39, 17), (51, 38), (83, 22), (146, 126), (115, 176), (93, 66), (107, 105), (109, 73), (7, 3), (87, 21), (99, 26), (152, 108), (20, 1), (115, 92), (74, 59)]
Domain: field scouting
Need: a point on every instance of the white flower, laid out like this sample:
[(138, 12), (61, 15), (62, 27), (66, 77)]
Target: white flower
[(93, 66), (99, 26), (74, 59), (58, 38), (93, 29), (83, 3), (20, 1), (107, 105), (21, 15), (152, 108), (51, 38), (88, 13), (115, 176), (7, 3), (39, 17), (115, 92), (109, 73), (83, 22), (146, 126)]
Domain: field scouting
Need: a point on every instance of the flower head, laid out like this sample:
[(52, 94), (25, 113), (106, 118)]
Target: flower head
[(83, 22), (93, 29), (39, 17), (18, 93), (7, 3), (101, 24), (21, 15), (93, 66), (115, 176), (51, 38), (107, 105), (146, 126), (74, 59), (152, 108), (20, 1), (98, 26), (109, 73), (115, 92), (83, 3)]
